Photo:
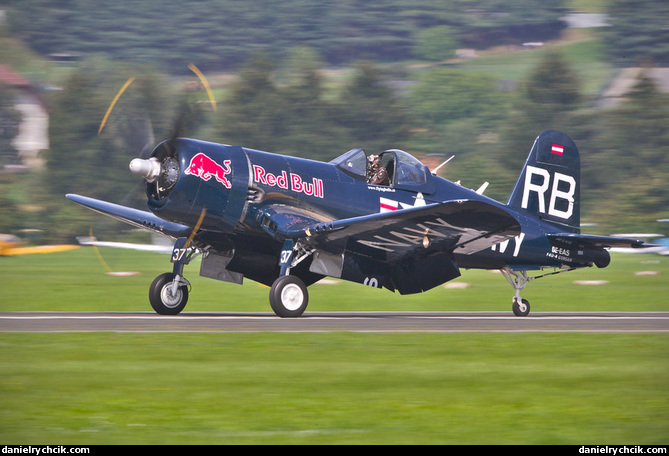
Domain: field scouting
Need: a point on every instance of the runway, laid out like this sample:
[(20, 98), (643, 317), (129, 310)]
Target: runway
[(434, 322)]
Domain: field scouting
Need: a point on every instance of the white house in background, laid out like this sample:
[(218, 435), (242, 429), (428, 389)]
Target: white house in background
[(33, 136)]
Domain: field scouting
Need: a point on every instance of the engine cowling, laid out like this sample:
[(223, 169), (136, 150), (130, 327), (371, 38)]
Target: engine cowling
[(185, 176)]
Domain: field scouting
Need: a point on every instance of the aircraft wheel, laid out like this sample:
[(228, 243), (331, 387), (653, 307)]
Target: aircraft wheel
[(288, 296), (163, 300), (521, 309)]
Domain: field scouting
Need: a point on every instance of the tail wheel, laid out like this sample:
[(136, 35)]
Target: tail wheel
[(164, 299), (288, 296)]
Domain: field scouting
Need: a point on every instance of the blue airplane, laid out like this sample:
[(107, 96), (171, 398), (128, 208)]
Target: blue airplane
[(383, 221)]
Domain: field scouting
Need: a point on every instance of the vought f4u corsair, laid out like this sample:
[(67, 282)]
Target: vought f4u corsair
[(383, 221)]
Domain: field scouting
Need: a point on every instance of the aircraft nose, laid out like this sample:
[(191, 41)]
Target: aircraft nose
[(149, 169)]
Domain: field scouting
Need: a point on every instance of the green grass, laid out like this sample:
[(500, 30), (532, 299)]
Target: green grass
[(76, 280), (333, 388), (329, 388)]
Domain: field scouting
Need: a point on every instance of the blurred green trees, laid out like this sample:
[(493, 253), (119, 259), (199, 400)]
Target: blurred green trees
[(221, 34), (549, 99), (10, 118), (290, 111), (436, 43), (286, 100), (638, 32), (300, 118), (626, 174)]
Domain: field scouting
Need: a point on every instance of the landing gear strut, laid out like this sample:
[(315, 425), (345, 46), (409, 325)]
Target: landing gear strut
[(518, 280)]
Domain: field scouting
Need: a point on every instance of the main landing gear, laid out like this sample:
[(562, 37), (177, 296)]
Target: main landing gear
[(168, 293), (288, 296)]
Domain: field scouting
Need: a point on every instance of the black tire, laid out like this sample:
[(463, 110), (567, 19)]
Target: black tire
[(522, 309), (288, 297), (161, 298)]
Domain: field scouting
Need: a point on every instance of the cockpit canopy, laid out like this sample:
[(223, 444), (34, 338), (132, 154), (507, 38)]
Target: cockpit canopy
[(405, 171), (353, 163)]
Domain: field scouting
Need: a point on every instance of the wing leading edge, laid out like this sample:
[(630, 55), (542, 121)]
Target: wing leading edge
[(135, 217)]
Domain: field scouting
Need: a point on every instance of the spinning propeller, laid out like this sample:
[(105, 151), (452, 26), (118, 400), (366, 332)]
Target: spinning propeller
[(161, 167)]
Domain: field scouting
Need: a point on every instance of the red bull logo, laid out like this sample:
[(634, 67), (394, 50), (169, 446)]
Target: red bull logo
[(205, 168)]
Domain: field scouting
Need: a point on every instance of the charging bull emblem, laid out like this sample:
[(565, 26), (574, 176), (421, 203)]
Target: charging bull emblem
[(204, 167)]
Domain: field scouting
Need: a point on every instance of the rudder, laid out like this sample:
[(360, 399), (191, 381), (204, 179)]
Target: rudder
[(549, 186)]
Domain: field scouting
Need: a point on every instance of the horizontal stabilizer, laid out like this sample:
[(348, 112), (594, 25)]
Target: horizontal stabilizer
[(592, 241)]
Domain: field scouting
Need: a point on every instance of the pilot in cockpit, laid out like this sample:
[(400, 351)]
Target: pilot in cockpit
[(376, 174)]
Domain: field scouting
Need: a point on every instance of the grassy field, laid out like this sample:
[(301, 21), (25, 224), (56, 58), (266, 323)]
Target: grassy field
[(335, 388), (329, 388), (76, 280)]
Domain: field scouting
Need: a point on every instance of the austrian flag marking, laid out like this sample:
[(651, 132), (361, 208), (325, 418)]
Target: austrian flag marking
[(556, 149)]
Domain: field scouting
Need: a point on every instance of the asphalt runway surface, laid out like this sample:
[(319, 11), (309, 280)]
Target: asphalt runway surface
[(333, 321)]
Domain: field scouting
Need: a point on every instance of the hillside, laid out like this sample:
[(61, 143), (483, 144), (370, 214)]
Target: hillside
[(220, 34), (488, 120)]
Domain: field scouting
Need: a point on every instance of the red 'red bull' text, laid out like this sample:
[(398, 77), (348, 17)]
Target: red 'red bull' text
[(288, 181)]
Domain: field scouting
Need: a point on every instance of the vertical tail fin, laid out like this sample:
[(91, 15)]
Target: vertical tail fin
[(549, 186)]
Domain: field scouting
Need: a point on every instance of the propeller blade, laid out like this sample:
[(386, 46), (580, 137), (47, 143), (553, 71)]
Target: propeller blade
[(113, 103), (196, 227), (189, 113), (205, 83)]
